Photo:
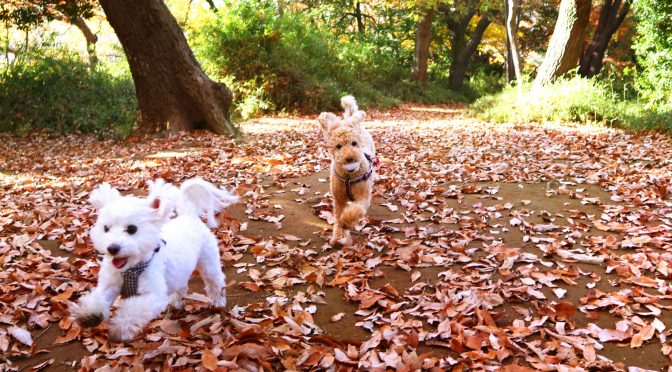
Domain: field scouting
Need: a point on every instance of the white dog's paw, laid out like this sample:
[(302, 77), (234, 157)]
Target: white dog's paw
[(176, 302), (89, 313), (219, 301), (89, 320), (123, 332)]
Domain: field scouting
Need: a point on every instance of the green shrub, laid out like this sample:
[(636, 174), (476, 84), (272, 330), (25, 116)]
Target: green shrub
[(483, 83), (56, 90), (654, 48), (577, 100), (287, 63), (272, 62)]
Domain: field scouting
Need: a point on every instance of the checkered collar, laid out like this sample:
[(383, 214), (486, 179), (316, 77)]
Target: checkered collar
[(130, 286)]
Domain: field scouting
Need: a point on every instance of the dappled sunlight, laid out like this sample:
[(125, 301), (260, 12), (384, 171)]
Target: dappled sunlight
[(265, 125), (170, 154), (442, 110), (29, 181)]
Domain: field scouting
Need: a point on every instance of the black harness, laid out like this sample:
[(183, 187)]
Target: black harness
[(131, 276), (373, 162)]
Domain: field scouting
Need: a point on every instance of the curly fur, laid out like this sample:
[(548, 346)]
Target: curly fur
[(349, 144)]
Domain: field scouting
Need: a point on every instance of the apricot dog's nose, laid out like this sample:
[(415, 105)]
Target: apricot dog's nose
[(113, 249), (350, 160)]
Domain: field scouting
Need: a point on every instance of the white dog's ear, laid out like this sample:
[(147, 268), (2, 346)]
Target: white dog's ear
[(103, 194), (162, 198), (327, 121)]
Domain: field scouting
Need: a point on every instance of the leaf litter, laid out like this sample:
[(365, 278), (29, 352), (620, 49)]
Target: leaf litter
[(533, 246)]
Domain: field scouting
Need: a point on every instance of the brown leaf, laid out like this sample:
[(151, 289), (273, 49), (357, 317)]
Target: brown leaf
[(340, 280), (644, 334), (209, 360), (63, 296), (71, 335)]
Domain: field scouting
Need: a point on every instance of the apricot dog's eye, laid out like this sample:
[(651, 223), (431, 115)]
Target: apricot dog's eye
[(338, 147), (105, 228), (354, 143)]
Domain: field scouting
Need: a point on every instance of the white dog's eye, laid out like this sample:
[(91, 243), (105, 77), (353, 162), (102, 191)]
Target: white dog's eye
[(354, 143), (338, 147), (106, 229), (131, 229)]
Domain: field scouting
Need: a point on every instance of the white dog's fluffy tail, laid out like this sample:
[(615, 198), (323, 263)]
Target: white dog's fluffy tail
[(200, 197)]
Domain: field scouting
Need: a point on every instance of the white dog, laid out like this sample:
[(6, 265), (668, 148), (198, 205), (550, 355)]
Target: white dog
[(149, 257)]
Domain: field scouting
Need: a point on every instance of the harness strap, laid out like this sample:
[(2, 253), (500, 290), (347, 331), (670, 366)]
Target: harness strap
[(129, 288), (373, 162)]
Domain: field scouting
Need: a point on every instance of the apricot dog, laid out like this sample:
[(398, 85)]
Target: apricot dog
[(353, 161)]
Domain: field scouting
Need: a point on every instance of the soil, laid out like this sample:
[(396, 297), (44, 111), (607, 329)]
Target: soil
[(302, 222)]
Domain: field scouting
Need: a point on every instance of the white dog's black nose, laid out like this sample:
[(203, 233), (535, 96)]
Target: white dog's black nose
[(113, 249)]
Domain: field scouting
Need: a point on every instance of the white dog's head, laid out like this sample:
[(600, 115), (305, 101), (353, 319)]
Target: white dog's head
[(350, 146), (128, 228)]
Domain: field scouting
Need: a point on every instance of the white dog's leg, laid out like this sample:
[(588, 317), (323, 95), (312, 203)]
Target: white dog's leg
[(95, 306), (176, 299), (210, 269), (134, 314)]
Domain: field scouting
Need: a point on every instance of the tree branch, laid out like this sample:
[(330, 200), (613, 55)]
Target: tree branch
[(476, 38)]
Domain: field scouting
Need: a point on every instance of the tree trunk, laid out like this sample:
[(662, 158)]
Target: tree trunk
[(91, 40), (173, 92), (512, 15), (612, 15), (89, 36), (462, 52), (423, 38), (565, 45), (360, 18)]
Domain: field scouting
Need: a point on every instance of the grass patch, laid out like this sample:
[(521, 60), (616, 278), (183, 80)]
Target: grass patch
[(572, 100)]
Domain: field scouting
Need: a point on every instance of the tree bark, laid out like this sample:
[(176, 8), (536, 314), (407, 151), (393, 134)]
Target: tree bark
[(565, 45), (89, 36), (512, 16), (360, 18), (423, 38), (173, 92), (462, 51), (612, 14), (91, 40)]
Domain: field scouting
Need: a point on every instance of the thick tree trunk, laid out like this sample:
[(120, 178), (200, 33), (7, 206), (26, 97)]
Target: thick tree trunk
[(512, 16), (566, 43), (423, 38), (612, 14), (173, 91), (462, 52)]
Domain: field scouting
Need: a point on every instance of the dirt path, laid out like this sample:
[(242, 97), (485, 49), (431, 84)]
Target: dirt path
[(459, 264)]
